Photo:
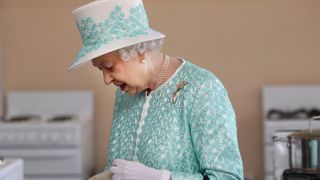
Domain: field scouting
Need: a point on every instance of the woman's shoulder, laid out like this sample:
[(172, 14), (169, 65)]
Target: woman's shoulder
[(199, 76)]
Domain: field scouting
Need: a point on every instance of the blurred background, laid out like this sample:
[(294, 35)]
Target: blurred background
[(248, 44)]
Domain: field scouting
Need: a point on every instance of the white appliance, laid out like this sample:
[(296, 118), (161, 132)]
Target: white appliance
[(288, 99), (51, 131), (11, 169)]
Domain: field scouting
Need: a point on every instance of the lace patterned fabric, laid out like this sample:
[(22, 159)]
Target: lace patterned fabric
[(116, 26), (194, 137)]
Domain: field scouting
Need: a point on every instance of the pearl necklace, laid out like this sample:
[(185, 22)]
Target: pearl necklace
[(163, 71)]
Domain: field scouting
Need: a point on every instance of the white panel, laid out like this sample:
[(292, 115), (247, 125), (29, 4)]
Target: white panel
[(268, 158), (11, 169), (55, 178), (50, 103), (290, 97), (269, 177), (46, 161)]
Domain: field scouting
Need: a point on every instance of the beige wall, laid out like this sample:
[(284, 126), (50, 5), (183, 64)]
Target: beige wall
[(1, 62), (247, 43)]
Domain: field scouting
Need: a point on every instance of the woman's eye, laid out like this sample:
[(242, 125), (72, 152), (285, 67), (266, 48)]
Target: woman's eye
[(108, 65)]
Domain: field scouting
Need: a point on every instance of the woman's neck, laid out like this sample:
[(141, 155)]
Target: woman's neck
[(157, 59), (156, 62)]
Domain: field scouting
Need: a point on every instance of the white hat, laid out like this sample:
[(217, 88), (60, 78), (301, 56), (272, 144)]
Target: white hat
[(108, 25)]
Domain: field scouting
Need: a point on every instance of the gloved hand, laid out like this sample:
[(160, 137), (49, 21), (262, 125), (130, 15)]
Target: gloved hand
[(131, 170)]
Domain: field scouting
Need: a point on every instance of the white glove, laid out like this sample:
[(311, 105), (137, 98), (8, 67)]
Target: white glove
[(131, 170)]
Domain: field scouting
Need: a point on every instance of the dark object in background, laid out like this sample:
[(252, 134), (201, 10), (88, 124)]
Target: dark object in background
[(62, 118), (1, 160), (301, 113), (276, 114), (206, 177), (23, 118), (314, 112), (301, 175)]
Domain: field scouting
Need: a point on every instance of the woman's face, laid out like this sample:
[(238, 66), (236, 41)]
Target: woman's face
[(131, 76)]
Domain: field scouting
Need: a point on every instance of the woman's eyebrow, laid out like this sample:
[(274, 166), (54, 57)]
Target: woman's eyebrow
[(94, 62)]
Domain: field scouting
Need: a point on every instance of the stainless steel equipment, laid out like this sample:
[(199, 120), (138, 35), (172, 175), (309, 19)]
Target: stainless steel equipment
[(304, 150), (285, 108), (298, 152)]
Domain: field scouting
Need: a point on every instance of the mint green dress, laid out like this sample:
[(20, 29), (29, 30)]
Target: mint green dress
[(193, 137)]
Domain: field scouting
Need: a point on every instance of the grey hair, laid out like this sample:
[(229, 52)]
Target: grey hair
[(129, 52)]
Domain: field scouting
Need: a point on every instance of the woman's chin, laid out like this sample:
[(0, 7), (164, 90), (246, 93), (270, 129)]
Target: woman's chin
[(134, 91), (131, 91)]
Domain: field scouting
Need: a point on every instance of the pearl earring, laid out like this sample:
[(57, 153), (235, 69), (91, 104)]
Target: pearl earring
[(143, 61)]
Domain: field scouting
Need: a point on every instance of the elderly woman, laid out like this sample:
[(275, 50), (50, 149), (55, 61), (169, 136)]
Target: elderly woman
[(172, 119)]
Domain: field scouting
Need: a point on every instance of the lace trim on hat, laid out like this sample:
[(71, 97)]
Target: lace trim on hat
[(116, 26)]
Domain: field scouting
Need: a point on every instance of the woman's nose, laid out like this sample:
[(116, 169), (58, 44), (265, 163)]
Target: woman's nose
[(107, 77)]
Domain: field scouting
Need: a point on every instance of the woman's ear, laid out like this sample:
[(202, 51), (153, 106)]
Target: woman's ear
[(142, 57)]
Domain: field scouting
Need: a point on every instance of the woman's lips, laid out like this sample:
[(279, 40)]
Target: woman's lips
[(123, 86)]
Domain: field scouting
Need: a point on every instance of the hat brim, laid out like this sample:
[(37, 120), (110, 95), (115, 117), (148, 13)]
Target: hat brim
[(115, 45)]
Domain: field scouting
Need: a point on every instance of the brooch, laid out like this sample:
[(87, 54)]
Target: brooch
[(180, 85)]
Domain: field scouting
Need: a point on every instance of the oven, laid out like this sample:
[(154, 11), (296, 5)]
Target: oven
[(53, 146)]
